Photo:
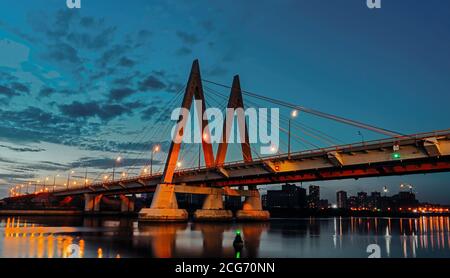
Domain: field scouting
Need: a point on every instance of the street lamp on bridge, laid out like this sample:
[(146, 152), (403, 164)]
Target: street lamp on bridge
[(45, 181), (155, 149), (294, 115), (35, 186), (54, 182), (116, 162), (68, 178)]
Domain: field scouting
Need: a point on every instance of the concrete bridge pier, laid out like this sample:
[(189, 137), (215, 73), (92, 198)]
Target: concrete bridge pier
[(92, 202), (164, 207), (252, 208), (126, 204), (213, 210)]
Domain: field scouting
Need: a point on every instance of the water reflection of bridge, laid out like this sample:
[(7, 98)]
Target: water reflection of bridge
[(112, 237), (168, 241)]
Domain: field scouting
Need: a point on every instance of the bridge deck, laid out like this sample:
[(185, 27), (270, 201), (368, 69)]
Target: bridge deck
[(422, 153)]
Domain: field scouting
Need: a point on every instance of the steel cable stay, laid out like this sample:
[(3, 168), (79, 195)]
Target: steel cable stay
[(317, 113), (155, 131), (139, 138), (298, 139)]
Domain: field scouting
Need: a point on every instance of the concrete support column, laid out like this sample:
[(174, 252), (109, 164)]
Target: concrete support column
[(213, 210), (126, 204), (92, 202), (252, 208), (164, 206)]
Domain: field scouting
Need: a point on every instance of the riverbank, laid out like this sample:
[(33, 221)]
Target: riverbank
[(62, 213)]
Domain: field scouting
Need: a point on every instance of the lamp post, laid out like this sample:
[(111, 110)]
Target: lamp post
[(86, 181), (68, 178), (54, 182), (28, 186), (36, 185), (117, 161), (155, 149), (294, 115), (362, 136), (45, 181)]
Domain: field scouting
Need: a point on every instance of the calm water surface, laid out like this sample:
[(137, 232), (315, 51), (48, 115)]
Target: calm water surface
[(43, 237)]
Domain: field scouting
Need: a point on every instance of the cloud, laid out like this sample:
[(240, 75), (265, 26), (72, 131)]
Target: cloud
[(120, 94), (112, 54), (150, 112), (7, 91), (126, 62), (183, 51), (217, 71), (107, 163), (87, 110), (13, 54), (20, 87), (151, 83), (16, 176), (32, 124), (187, 38), (46, 91), (22, 149), (63, 52), (208, 25), (92, 41)]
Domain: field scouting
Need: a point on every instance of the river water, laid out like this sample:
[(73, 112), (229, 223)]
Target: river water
[(109, 237)]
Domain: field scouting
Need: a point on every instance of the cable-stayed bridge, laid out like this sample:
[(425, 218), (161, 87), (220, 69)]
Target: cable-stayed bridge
[(304, 153)]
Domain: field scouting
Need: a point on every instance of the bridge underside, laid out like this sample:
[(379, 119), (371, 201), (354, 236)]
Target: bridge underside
[(395, 168)]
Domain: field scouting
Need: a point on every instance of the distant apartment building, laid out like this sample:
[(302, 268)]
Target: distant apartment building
[(362, 200), (341, 199), (374, 202), (290, 196), (314, 197), (324, 204), (352, 202)]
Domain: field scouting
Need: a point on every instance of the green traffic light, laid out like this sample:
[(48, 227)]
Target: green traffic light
[(238, 232), (396, 156)]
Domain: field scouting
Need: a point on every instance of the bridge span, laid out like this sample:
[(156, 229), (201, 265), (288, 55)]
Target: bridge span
[(413, 154)]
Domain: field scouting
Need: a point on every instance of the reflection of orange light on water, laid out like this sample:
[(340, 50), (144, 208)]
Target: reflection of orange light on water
[(50, 246), (81, 244), (99, 253), (59, 249)]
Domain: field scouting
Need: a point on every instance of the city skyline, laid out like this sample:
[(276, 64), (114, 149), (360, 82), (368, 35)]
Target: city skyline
[(82, 84)]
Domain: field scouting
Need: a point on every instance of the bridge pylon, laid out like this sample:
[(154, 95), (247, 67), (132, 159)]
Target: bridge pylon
[(164, 205)]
